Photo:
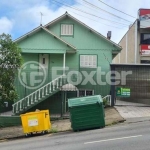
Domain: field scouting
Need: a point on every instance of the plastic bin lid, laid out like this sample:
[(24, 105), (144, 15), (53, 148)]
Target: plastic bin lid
[(84, 100)]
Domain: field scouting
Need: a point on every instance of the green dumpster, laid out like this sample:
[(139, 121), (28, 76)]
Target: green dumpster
[(86, 112)]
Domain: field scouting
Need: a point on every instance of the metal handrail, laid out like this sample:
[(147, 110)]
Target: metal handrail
[(107, 97), (35, 92)]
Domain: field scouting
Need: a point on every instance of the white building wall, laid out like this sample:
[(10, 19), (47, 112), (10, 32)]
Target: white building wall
[(130, 47)]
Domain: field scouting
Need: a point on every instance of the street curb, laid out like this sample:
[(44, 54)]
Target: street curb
[(49, 134), (115, 121), (12, 138)]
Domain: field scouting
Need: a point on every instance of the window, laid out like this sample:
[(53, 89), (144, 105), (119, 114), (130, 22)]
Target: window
[(66, 29), (145, 61), (81, 93), (88, 61), (145, 38), (85, 93)]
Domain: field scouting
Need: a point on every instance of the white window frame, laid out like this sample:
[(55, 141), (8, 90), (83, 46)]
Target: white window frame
[(88, 61), (85, 90), (67, 29)]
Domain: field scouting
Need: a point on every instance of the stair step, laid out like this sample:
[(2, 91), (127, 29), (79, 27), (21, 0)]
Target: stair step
[(38, 95)]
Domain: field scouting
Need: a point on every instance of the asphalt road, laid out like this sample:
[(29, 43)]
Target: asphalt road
[(134, 136)]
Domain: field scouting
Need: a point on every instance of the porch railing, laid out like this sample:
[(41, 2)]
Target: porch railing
[(38, 95), (108, 99)]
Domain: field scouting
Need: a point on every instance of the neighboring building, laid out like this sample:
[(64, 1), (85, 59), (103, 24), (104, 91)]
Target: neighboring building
[(64, 42), (136, 42), (137, 84)]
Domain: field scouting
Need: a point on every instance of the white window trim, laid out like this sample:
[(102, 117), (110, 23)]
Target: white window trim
[(78, 92), (85, 61)]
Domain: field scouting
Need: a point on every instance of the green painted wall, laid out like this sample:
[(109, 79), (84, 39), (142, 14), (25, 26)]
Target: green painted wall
[(85, 41), (56, 60), (8, 121), (21, 88), (42, 42), (53, 103), (3, 107), (83, 38)]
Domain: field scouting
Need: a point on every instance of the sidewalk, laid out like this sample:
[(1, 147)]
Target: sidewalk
[(111, 117), (132, 110)]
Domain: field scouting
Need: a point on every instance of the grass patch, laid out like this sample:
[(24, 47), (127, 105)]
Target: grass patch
[(113, 123), (53, 130)]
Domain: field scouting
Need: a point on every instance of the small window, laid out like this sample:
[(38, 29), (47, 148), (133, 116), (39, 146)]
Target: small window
[(81, 93), (85, 93), (145, 61), (88, 61), (89, 92), (66, 29), (145, 38)]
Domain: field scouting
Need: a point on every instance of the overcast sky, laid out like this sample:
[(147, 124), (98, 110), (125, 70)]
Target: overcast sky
[(18, 17)]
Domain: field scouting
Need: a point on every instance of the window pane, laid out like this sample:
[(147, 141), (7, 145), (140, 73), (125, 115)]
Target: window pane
[(88, 61), (86, 58), (81, 93), (88, 93), (145, 38)]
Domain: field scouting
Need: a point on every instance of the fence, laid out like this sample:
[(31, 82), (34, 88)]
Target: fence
[(138, 82), (7, 121)]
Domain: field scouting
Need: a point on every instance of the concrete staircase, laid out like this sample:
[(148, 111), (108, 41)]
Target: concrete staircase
[(39, 95)]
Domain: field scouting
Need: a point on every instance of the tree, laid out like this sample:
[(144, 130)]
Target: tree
[(10, 61)]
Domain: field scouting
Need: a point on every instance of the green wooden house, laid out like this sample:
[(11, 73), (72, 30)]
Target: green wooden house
[(61, 61)]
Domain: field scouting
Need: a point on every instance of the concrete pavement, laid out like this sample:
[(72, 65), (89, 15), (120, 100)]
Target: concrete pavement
[(111, 117), (119, 137), (132, 110)]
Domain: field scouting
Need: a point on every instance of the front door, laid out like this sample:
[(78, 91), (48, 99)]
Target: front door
[(44, 61)]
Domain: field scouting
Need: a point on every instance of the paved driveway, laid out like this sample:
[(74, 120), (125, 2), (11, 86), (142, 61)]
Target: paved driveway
[(132, 110)]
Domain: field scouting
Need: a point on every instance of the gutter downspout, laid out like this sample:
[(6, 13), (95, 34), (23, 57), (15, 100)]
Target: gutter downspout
[(135, 42), (126, 48), (64, 63)]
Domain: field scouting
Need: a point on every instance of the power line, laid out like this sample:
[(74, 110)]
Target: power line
[(91, 8), (105, 10), (92, 19), (96, 21), (90, 13), (98, 16), (116, 9)]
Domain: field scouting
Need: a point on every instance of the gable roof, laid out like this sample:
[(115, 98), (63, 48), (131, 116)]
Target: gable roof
[(49, 32), (68, 15)]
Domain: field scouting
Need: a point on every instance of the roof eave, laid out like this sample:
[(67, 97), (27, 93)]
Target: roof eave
[(59, 38), (46, 30), (27, 34)]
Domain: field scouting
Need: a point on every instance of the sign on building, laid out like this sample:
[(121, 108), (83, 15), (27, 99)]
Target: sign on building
[(122, 92), (144, 18), (145, 49)]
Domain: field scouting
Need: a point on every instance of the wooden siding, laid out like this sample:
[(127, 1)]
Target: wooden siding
[(85, 41), (83, 38), (42, 42)]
